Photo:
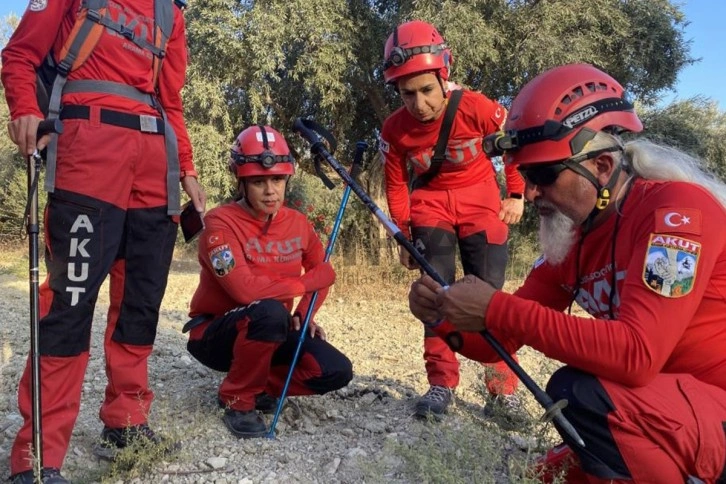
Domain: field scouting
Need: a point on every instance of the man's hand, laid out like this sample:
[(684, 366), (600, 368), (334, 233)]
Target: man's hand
[(196, 193), (464, 304), (406, 259), (512, 210), (422, 299), (22, 132), (312, 327)]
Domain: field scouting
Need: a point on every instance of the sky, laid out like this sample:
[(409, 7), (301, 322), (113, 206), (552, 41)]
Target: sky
[(704, 78)]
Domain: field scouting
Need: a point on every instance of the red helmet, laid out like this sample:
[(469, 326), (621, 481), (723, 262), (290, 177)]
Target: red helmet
[(559, 111), (413, 47), (260, 150)]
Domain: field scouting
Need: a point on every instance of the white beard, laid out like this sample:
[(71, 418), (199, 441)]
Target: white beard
[(556, 234)]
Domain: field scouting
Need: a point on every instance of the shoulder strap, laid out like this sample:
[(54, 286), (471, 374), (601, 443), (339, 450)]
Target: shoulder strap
[(163, 25), (440, 149)]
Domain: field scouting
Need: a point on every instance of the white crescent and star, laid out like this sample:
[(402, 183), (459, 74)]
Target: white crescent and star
[(681, 220)]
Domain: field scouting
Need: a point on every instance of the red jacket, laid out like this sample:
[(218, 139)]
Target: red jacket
[(670, 304), (244, 260), (113, 59), (406, 140)]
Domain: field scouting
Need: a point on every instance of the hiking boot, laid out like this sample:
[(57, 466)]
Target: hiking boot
[(50, 475), (244, 424), (507, 407), (264, 402), (113, 440), (434, 402)]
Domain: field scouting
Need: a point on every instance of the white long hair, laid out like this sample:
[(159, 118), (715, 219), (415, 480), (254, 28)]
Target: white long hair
[(652, 161)]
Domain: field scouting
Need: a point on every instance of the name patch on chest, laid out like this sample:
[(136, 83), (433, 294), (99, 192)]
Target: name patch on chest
[(670, 265)]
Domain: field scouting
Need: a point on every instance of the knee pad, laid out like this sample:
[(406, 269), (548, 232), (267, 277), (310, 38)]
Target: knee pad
[(485, 260), (438, 246), (580, 389), (269, 321)]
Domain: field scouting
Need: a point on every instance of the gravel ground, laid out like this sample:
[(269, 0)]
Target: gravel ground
[(362, 433)]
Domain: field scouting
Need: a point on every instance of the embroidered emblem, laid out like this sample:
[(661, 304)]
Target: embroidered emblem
[(222, 260), (670, 265), (37, 5)]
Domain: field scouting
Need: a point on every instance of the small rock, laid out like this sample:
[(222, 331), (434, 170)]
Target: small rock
[(216, 462), (333, 466), (369, 398)]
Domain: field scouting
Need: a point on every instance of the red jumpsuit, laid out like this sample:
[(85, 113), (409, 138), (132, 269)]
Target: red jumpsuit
[(658, 367), (460, 205), (250, 273), (108, 214)]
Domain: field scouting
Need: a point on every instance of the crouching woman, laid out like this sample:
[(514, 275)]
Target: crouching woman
[(256, 256)]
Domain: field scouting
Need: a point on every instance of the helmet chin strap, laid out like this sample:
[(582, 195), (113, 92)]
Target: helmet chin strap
[(604, 192)]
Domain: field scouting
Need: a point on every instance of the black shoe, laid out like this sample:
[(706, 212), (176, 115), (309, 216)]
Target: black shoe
[(114, 440), (50, 475), (434, 402), (264, 402), (244, 424)]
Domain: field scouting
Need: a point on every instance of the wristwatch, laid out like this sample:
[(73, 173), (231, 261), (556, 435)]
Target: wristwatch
[(518, 196)]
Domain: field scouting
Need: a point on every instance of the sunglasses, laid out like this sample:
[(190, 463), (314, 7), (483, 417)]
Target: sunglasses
[(542, 175)]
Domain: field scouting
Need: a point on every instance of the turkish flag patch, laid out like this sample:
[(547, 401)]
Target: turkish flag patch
[(215, 239), (678, 220)]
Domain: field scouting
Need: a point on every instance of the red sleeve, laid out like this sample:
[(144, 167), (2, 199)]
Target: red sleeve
[(396, 179), (25, 51), (514, 180), (171, 82), (492, 118), (633, 348), (544, 284), (240, 283), (319, 275)]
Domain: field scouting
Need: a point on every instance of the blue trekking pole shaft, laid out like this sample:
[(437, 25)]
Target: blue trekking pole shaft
[(360, 146), (553, 411)]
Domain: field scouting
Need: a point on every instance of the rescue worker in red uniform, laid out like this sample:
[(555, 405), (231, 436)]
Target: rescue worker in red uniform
[(109, 211), (633, 233), (256, 255), (460, 205)]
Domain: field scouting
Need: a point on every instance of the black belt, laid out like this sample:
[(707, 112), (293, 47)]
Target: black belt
[(145, 123)]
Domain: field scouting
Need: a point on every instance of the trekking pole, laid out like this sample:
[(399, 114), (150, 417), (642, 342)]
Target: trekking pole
[(553, 411), (35, 161), (355, 169)]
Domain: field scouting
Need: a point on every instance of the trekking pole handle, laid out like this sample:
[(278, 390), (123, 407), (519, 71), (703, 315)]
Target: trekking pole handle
[(48, 126), (358, 165)]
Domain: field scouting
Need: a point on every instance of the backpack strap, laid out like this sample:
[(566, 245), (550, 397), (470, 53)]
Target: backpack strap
[(163, 25), (440, 150)]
